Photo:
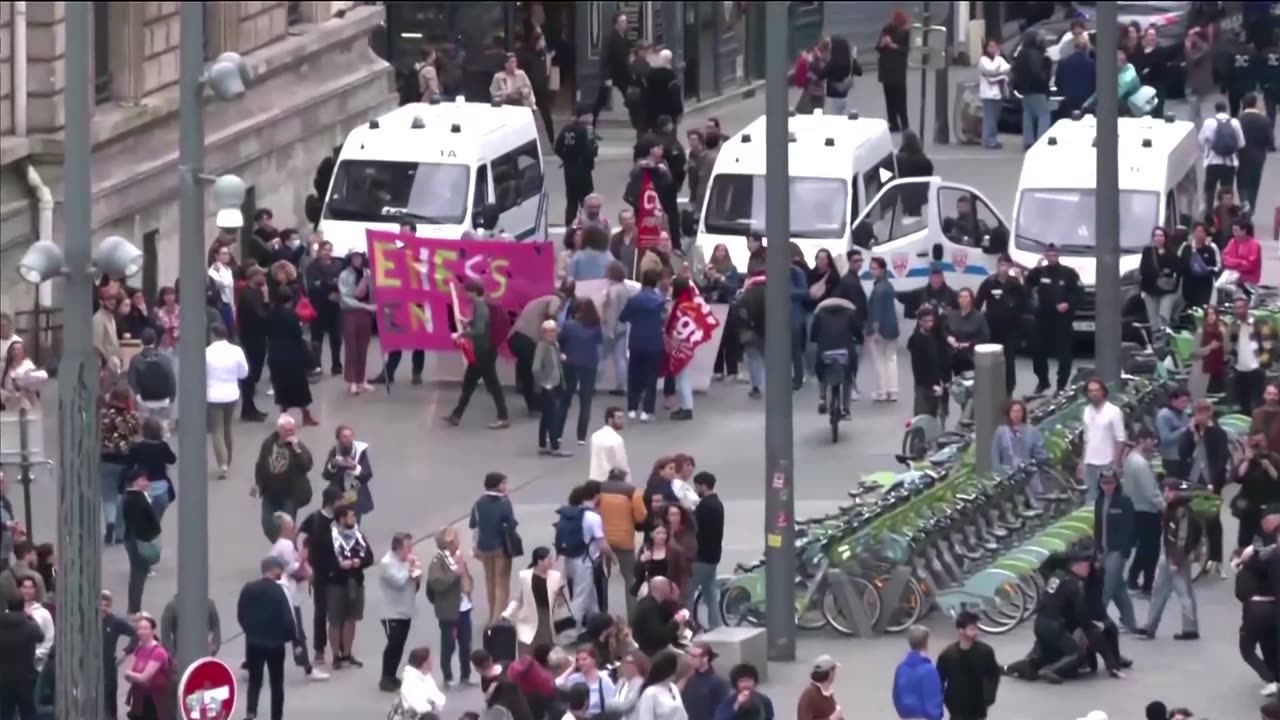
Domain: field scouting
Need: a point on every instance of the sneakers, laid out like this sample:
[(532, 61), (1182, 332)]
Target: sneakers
[(222, 472), (854, 395), (682, 415), (754, 394), (1186, 636), (631, 414), (1270, 689), (499, 424), (388, 685), (645, 417), (321, 676)]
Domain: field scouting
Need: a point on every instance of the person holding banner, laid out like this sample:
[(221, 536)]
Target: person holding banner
[(686, 331), (355, 290), (484, 365), (647, 345)]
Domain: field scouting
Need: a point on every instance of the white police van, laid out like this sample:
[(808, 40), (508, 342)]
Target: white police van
[(443, 166), (836, 164), (1056, 200), (918, 223)]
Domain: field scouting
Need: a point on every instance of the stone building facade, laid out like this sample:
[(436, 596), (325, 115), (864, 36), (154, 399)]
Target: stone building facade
[(314, 79)]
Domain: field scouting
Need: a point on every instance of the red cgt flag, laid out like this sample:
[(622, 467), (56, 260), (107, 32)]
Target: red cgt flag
[(649, 215), (689, 327)]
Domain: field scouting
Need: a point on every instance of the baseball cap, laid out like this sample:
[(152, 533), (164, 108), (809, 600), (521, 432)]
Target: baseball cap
[(825, 663)]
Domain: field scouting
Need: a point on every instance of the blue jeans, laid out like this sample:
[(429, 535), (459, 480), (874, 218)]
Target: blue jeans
[(642, 380), (109, 479), (704, 579), (1114, 590), (579, 380), (1091, 475), (138, 569), (754, 357), (684, 389), (456, 635), (1035, 118), (551, 421), (159, 494), (990, 123), (1170, 581)]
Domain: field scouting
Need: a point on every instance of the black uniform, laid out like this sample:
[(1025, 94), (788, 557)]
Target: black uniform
[(1002, 300), (1269, 77), (930, 367), (576, 147), (1052, 284), (942, 299), (1063, 610), (1241, 75), (1258, 621)]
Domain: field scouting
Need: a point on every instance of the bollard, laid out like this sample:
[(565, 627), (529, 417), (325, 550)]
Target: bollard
[(851, 606), (891, 594), (989, 393)]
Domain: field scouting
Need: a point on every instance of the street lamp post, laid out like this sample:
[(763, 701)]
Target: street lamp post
[(78, 659), (227, 78)]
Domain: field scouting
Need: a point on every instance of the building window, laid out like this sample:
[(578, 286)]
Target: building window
[(293, 13), (151, 264), (210, 27), (102, 52), (247, 240)]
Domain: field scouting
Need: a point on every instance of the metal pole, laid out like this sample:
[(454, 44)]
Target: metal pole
[(78, 660), (925, 21), (1107, 339), (780, 539), (24, 466), (989, 393), (941, 86), (193, 521)]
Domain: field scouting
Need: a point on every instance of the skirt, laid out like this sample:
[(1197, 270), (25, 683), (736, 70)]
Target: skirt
[(292, 389), (357, 330)]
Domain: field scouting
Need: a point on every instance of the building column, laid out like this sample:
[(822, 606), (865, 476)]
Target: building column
[(46, 66)]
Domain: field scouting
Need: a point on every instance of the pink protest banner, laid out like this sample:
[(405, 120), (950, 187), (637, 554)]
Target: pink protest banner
[(412, 277)]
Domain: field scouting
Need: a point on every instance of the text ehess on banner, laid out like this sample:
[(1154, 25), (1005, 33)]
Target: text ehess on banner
[(414, 280), (690, 326), (649, 215)]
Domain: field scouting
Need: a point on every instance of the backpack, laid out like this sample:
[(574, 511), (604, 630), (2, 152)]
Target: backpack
[(741, 312), (569, 532), (153, 381), (1225, 143), (499, 324), (1195, 263)]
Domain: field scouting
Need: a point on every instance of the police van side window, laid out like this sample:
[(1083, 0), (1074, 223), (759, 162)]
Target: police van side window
[(1186, 194), (871, 181), (517, 176), (481, 195)]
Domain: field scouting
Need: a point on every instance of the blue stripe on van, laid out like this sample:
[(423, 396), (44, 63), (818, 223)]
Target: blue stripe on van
[(923, 271)]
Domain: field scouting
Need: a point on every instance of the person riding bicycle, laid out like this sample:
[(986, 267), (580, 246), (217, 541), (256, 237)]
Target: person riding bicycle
[(836, 330)]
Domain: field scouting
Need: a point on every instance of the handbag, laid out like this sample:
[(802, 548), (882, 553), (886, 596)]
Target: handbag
[(512, 543), (148, 551), (306, 311), (564, 624)]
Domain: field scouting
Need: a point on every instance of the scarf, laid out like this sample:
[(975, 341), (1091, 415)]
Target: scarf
[(348, 543)]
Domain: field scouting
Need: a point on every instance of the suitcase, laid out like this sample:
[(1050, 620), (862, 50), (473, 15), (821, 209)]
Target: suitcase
[(500, 642)]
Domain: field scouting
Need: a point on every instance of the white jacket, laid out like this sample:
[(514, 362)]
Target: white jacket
[(608, 452), (523, 609), (1207, 130), (661, 702), (419, 692), (45, 621), (990, 72)]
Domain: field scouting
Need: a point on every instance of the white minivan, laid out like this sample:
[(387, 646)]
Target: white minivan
[(1057, 200), (836, 164), (447, 167)]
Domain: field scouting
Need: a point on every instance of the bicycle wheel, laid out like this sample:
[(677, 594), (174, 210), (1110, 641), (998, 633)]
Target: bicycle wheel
[(914, 443), (904, 610), (1199, 559), (1004, 611), (737, 607), (812, 618), (870, 600)]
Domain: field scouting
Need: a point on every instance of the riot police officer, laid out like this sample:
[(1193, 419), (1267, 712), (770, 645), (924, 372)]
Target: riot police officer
[(577, 148), (1001, 298), (1063, 610), (1058, 293)]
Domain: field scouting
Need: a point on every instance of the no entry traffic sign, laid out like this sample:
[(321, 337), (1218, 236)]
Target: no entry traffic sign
[(207, 690)]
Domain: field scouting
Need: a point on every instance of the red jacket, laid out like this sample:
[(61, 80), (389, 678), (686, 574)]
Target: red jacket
[(1244, 255), (531, 677)]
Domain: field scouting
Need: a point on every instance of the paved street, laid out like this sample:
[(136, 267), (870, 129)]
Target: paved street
[(428, 474)]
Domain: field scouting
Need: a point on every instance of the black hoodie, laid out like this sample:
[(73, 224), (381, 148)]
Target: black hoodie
[(662, 96), (1031, 66), (19, 636)]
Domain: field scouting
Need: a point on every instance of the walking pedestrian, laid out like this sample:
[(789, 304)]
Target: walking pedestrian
[(150, 676), (253, 314), (580, 340), (355, 294), (288, 357), (1057, 294), (818, 701), (548, 374), (1031, 76), (1113, 535), (224, 281), (615, 66), (151, 377), (580, 540), (1259, 139), (265, 613), (917, 688), (523, 341), (114, 627), (708, 523), (969, 672), (316, 545), (882, 333), (622, 510), (400, 578), (643, 313), (141, 534), (539, 592), (608, 449), (892, 46), (280, 475), (285, 549), (225, 367), (483, 366), (1205, 453), (577, 148), (1221, 138), (20, 636), (119, 426), (152, 454), (449, 585), (1143, 489), (1180, 535), (1159, 274), (493, 525), (344, 605)]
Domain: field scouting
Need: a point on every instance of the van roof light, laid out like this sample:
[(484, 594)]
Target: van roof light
[(1146, 142), (435, 100), (495, 103), (418, 123), (1052, 140), (373, 124), (455, 128), (1076, 115), (460, 99), (746, 137), (1170, 117), (831, 142), (853, 115)]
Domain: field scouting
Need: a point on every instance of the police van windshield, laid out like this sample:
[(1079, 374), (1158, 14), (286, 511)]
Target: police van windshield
[(389, 191), (736, 205), (1067, 218)]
